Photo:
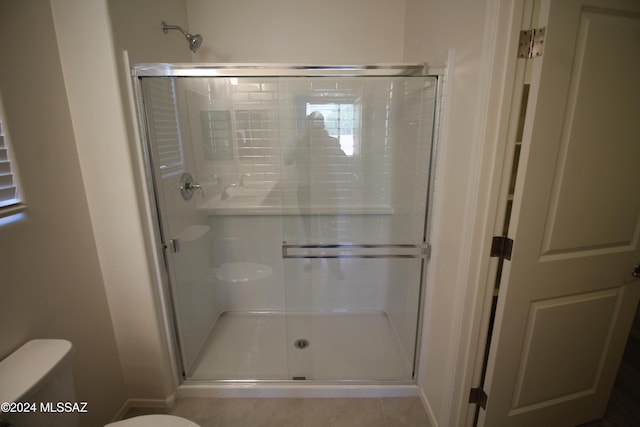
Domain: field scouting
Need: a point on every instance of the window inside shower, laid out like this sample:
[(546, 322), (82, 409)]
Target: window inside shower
[(293, 210)]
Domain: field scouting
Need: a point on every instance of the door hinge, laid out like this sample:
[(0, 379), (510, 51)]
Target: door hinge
[(501, 247), (479, 397), (531, 43)]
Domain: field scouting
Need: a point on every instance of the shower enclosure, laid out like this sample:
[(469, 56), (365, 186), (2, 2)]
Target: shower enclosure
[(292, 211)]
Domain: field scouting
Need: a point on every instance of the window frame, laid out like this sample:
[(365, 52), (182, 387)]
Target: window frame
[(9, 206)]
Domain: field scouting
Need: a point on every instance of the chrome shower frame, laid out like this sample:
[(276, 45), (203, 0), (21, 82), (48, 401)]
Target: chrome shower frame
[(285, 70), (142, 70)]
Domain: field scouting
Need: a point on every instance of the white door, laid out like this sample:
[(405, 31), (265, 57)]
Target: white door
[(568, 295)]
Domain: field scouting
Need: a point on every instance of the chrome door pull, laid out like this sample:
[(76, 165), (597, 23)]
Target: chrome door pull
[(174, 244), (355, 250)]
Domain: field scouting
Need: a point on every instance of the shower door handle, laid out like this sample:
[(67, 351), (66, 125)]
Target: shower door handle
[(354, 250), (174, 245)]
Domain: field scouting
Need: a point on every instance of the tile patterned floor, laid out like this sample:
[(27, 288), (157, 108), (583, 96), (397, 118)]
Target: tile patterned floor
[(266, 412)]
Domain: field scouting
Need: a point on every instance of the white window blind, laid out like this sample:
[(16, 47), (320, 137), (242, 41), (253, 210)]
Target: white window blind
[(8, 189)]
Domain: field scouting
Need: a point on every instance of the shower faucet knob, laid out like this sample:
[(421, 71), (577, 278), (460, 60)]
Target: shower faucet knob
[(188, 186)]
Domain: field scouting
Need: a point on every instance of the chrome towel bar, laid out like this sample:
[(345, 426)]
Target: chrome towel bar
[(354, 250)]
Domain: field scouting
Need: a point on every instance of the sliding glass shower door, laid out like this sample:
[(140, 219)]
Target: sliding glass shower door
[(355, 186), (293, 209)]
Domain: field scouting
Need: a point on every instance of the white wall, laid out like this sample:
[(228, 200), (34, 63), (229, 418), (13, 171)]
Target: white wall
[(109, 155), (291, 31), (459, 32), (52, 284)]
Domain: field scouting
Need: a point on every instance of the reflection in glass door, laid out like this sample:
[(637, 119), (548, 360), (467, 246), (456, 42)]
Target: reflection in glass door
[(301, 252), (354, 233)]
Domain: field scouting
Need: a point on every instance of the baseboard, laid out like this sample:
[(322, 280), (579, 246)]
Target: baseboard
[(428, 409), (144, 403)]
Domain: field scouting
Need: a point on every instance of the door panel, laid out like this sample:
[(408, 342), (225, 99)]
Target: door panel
[(595, 156), (554, 365), (567, 297)]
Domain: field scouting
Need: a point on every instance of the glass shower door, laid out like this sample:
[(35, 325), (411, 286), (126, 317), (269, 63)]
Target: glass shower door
[(180, 187), (355, 181), (299, 253)]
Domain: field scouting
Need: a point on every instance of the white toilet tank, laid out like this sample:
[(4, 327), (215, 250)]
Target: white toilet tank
[(36, 386)]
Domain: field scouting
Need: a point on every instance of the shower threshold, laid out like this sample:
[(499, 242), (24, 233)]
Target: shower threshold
[(302, 347)]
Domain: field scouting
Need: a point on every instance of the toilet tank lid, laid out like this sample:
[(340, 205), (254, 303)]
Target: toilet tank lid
[(25, 370)]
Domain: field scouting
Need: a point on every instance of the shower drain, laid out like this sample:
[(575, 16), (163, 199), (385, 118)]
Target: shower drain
[(301, 343)]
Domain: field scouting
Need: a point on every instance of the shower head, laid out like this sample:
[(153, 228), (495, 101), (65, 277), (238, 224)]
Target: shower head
[(195, 41)]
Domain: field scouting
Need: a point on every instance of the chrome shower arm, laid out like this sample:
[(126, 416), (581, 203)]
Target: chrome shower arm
[(194, 40), (166, 27)]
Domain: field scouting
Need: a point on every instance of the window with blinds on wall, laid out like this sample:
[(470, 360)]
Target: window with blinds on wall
[(10, 202), (166, 126)]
